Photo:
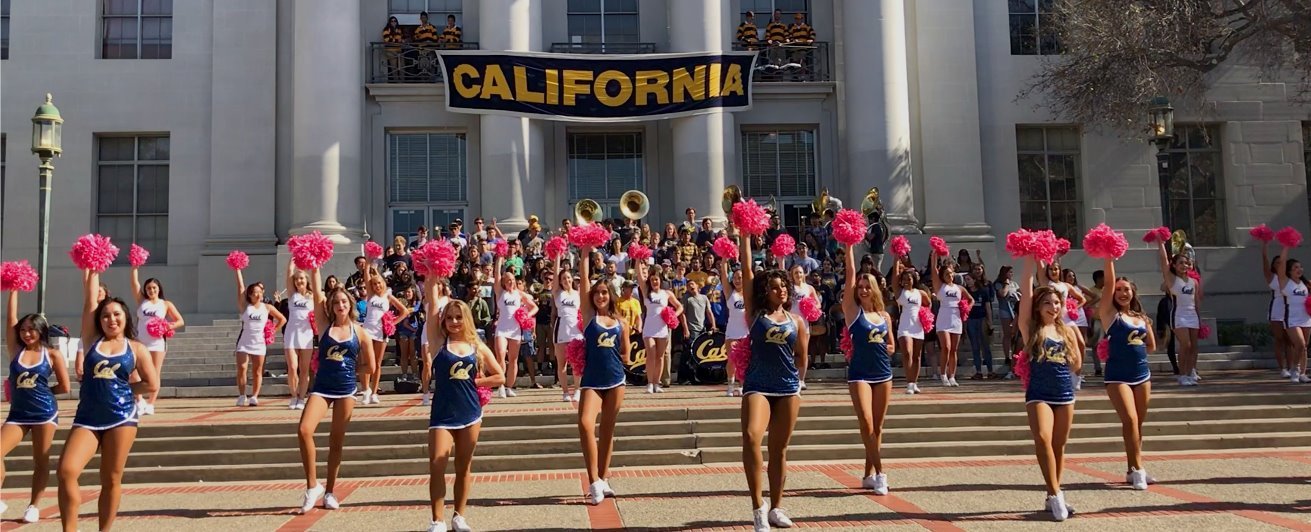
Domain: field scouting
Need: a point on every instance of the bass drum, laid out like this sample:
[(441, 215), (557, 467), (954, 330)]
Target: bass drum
[(636, 372), (710, 360)]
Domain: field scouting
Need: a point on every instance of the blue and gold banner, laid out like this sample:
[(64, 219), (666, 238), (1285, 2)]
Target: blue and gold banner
[(585, 87)]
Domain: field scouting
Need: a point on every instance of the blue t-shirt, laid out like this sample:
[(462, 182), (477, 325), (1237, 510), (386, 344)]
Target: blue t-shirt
[(982, 296)]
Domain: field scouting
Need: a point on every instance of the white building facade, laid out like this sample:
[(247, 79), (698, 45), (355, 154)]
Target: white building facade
[(203, 126)]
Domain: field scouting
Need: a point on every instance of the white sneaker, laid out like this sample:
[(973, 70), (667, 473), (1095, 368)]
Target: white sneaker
[(1078, 383), (760, 518), (1284, 373), (311, 496), (364, 396), (596, 493), (944, 380), (252, 400), (803, 385), (1137, 478), (330, 502), (917, 387), (779, 518), (658, 389), (1295, 374), (606, 489), (1010, 376), (1056, 505), (1194, 375), (291, 405), (437, 526), (729, 391), (578, 394), (650, 388), (458, 524), (241, 400), (910, 388), (878, 483), (951, 381), (32, 514), (427, 399), (510, 392), (150, 409), (377, 399), (566, 397), (1303, 379), (501, 392)]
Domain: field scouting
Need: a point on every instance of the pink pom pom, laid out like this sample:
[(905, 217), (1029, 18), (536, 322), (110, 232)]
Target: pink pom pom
[(724, 248), (372, 250), (525, 321), (589, 235), (639, 252), (389, 324), (555, 247), (845, 344), (964, 307), (1192, 274), (1262, 233), (484, 395), (269, 331), (750, 217), (783, 245), (900, 246), (1045, 247), (939, 246), (137, 255), (576, 356), (93, 252), (314, 325), (501, 248), (1103, 349), (809, 309), (669, 317), (848, 227), (1160, 234), (18, 276), (1062, 246), (926, 318), (1289, 237), (238, 260), (1204, 332), (1021, 243), (740, 356), (1072, 308), (1021, 368), (434, 258), (159, 328), (1102, 242), (310, 251)]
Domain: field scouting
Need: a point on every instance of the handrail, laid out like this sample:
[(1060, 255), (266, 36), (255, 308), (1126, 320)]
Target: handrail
[(408, 62), (791, 62), (603, 48)]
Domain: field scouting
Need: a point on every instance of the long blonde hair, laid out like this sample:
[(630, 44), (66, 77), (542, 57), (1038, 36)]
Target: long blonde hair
[(1068, 333), (470, 332), (876, 293)]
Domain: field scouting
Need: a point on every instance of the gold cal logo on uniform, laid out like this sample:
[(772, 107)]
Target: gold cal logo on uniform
[(26, 380), (104, 371), (460, 371), (776, 335), (1137, 337), (876, 337), (606, 340), (336, 353)]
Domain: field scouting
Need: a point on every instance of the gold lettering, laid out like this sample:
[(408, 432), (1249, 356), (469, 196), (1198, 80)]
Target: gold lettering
[(1137, 338), (876, 337), (461, 76), (26, 381), (606, 340), (709, 352), (521, 91), (460, 371), (336, 354), (648, 83), (776, 335), (103, 370), (691, 86), (603, 82), (496, 85), (733, 81), (552, 86), (576, 82), (714, 79)]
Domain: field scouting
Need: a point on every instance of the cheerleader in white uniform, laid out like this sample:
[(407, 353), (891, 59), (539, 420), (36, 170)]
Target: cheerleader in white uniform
[(655, 333), (910, 332), (736, 328), (150, 305), (298, 338), (1297, 319), (255, 315), (379, 301), (1278, 309), (564, 296), (800, 288), (1186, 321), (434, 303), (949, 321), (509, 299)]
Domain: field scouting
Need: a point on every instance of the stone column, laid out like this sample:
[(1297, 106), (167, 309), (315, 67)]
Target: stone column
[(877, 106), (511, 148), (705, 150), (328, 120)]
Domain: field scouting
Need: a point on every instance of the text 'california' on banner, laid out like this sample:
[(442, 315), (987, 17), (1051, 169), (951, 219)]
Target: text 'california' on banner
[(581, 88)]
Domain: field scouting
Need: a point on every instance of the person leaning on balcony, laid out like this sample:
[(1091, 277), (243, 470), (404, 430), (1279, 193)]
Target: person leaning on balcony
[(748, 36), (425, 37), (452, 35), (392, 37), (776, 33), (802, 37)]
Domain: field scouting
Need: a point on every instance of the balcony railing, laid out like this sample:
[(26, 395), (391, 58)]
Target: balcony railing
[(791, 62), (603, 48), (409, 62)]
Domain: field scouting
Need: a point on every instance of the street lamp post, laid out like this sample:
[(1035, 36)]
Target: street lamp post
[(1161, 123), (47, 136)]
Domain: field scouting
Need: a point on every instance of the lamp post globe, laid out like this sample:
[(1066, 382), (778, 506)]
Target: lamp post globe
[(47, 143)]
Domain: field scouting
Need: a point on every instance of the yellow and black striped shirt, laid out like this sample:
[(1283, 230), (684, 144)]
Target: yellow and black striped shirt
[(801, 32), (452, 35), (776, 32), (425, 33), (393, 35), (747, 33)]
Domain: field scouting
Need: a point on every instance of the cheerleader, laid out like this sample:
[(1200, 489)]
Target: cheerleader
[(735, 328), (1079, 319), (1128, 376), (408, 334), (772, 387), (150, 305), (1278, 309), (655, 332), (1068, 292), (869, 370), (950, 321), (564, 297), (1186, 293), (910, 331), (32, 405), (1298, 320), (606, 351), (378, 302), (298, 337), (102, 293), (345, 349), (1050, 348), (116, 368), (433, 305), (460, 364), (509, 299), (255, 315), (800, 288)]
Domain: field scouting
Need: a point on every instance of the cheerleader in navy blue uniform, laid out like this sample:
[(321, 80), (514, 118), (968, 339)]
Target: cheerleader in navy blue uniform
[(605, 339), (459, 365), (32, 409), (1053, 359), (107, 409), (345, 354), (150, 305), (771, 388), (869, 371), (1128, 376)]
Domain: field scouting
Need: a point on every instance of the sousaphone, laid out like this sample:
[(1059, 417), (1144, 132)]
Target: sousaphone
[(634, 205), (587, 211)]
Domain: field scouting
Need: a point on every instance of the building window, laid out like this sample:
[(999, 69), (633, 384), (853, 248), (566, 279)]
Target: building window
[(764, 10), (779, 163), (1195, 184), (137, 29), (4, 29), (407, 11), (132, 192), (602, 166), (1033, 30), (1051, 195), (427, 180), (603, 21)]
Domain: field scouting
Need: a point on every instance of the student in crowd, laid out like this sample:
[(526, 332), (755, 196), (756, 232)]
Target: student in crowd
[(748, 36)]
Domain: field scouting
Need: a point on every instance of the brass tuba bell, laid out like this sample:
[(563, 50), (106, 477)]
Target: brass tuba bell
[(871, 201), (821, 202), (732, 195), (1178, 242), (634, 205), (587, 211)]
